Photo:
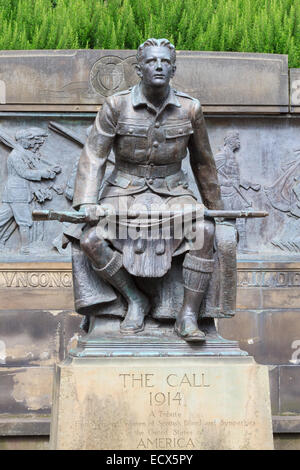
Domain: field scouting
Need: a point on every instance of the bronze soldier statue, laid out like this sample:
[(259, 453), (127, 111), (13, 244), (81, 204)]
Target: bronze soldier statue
[(150, 128)]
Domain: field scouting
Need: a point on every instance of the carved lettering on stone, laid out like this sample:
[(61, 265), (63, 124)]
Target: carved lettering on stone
[(36, 279), (268, 279)]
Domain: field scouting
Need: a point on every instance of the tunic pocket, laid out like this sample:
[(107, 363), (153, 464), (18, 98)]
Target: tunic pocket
[(131, 137), (180, 130)]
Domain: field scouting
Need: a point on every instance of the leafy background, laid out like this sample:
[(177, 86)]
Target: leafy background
[(211, 25)]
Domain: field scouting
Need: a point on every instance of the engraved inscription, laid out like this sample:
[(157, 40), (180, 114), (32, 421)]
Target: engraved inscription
[(268, 279), (130, 405), (166, 427), (63, 279), (36, 279)]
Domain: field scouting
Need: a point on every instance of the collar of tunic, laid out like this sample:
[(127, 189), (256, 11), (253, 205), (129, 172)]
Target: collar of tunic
[(138, 98)]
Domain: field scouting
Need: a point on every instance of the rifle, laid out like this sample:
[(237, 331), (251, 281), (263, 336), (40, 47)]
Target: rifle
[(81, 217), (65, 132)]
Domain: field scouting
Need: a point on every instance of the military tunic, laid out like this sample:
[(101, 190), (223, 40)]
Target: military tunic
[(149, 146)]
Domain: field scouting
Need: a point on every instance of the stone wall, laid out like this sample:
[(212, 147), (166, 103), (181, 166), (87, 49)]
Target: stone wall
[(252, 97)]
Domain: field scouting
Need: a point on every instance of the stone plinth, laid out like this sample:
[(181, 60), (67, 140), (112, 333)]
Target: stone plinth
[(165, 403)]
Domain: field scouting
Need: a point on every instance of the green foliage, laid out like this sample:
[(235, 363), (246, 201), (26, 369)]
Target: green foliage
[(210, 25)]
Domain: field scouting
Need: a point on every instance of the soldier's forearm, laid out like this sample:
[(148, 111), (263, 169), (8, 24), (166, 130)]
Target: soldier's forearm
[(91, 170), (32, 175), (208, 185)]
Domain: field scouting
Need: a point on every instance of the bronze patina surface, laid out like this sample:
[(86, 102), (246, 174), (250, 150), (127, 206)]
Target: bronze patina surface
[(150, 128)]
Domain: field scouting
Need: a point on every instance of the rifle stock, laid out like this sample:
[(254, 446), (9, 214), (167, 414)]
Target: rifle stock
[(81, 217)]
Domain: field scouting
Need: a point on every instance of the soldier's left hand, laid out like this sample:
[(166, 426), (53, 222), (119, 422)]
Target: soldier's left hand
[(56, 169), (93, 212)]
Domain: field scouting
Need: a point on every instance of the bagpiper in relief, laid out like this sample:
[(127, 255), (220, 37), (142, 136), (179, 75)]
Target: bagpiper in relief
[(231, 183), (24, 166)]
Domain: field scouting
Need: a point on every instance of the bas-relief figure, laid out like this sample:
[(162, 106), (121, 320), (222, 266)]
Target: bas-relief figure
[(232, 185), (284, 196), (150, 128), (31, 174), (25, 166)]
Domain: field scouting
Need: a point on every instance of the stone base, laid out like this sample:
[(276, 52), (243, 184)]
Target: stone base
[(104, 339), (167, 403)]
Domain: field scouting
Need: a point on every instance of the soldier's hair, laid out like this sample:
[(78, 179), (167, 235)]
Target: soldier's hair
[(231, 136), (30, 133), (156, 43)]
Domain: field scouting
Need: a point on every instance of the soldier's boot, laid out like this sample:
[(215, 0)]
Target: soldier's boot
[(25, 239), (111, 269), (196, 275)]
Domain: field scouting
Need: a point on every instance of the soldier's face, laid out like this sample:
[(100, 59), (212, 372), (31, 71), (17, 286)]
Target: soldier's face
[(156, 68), (236, 144), (38, 142)]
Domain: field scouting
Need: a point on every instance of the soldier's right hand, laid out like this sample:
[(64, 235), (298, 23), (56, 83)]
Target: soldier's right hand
[(48, 174), (93, 212)]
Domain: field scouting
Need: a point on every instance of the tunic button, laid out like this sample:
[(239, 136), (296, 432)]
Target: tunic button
[(180, 131), (179, 183), (151, 164), (155, 144), (157, 124), (185, 186), (130, 131), (151, 181)]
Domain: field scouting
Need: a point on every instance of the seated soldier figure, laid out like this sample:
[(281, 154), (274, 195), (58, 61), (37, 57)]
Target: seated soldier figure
[(150, 128)]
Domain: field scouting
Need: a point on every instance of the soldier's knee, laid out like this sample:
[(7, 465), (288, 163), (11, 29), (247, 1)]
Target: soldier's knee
[(209, 231), (206, 229), (88, 240), (204, 237)]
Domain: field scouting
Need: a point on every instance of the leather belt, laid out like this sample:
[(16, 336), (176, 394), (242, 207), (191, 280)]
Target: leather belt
[(148, 171)]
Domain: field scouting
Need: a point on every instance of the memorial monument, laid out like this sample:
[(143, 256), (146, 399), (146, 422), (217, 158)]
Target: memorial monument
[(154, 298)]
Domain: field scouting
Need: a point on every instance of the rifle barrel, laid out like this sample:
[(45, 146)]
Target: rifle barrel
[(62, 216), (80, 217), (227, 214), (65, 132)]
